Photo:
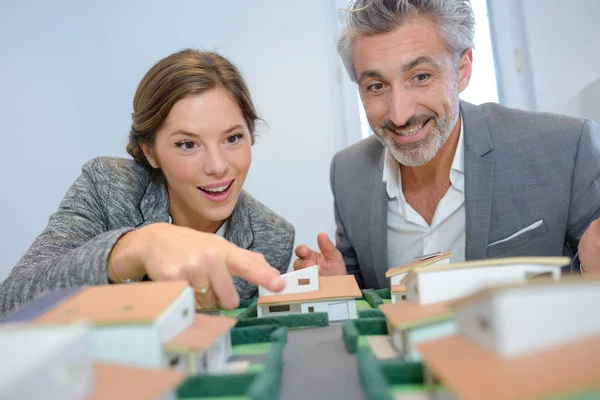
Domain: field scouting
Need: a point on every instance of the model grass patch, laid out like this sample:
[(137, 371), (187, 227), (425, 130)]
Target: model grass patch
[(371, 377), (252, 334), (371, 297), (202, 386), (370, 313), (291, 321)]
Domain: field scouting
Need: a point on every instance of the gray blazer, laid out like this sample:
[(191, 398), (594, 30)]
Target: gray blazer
[(111, 197), (520, 168)]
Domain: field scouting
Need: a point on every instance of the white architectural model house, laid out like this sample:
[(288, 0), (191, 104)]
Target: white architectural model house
[(57, 363), (411, 323), (438, 283), (46, 362), (397, 274), (307, 292), (539, 340), (205, 346), (425, 314), (136, 323)]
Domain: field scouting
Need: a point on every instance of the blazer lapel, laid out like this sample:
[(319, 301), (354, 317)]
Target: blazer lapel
[(239, 227), (479, 181), (378, 226)]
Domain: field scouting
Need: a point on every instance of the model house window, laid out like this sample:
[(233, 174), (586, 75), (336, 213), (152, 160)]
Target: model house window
[(302, 282), (279, 308), (311, 309)]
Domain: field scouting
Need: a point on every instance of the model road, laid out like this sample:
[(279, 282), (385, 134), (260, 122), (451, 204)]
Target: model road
[(317, 366)]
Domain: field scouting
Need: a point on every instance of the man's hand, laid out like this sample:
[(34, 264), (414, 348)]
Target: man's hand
[(589, 248), (330, 259)]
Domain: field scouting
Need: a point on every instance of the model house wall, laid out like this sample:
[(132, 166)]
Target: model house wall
[(520, 320), (43, 362), (409, 338), (337, 310), (426, 286), (142, 344), (130, 323), (396, 279), (437, 286), (301, 281)]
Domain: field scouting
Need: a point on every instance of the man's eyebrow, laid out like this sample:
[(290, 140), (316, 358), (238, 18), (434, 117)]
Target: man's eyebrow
[(369, 74), (421, 60)]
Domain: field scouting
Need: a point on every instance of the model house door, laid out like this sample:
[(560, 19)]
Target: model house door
[(337, 311)]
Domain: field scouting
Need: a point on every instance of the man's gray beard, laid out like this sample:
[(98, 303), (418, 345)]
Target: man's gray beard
[(414, 154), (420, 153)]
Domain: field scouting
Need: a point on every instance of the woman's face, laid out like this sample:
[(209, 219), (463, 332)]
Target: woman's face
[(204, 152)]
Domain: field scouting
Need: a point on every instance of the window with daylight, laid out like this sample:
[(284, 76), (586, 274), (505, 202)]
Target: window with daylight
[(483, 87)]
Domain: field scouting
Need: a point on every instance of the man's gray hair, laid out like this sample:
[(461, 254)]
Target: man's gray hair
[(454, 19)]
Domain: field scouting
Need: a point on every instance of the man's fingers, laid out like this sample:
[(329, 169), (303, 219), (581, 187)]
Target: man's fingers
[(303, 251), (595, 226), (301, 264), (243, 265), (328, 249)]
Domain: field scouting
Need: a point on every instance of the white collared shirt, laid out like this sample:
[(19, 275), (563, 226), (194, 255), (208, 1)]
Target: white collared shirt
[(409, 235)]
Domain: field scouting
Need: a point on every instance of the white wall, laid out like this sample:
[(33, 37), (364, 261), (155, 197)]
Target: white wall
[(513, 68), (565, 54), (69, 70), (559, 53)]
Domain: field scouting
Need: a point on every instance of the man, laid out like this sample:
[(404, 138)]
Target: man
[(442, 174)]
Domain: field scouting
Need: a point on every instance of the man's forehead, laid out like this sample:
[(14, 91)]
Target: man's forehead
[(413, 40)]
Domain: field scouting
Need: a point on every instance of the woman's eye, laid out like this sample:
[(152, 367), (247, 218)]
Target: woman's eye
[(233, 139), (186, 145)]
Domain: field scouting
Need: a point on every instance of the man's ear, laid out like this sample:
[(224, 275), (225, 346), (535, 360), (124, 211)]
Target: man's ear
[(465, 67), (147, 149)]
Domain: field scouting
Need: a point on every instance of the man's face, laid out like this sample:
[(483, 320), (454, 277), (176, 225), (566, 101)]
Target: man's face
[(409, 86)]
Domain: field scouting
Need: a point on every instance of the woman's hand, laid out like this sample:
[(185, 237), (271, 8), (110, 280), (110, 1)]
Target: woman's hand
[(205, 260)]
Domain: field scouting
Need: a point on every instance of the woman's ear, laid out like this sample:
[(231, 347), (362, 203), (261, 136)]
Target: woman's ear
[(147, 149)]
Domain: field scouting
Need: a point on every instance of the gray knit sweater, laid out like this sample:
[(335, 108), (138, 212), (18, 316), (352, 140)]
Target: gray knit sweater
[(111, 197)]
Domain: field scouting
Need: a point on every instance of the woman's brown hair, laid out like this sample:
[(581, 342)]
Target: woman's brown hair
[(185, 73)]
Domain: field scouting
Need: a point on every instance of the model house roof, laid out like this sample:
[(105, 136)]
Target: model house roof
[(556, 262), (203, 332), (114, 381), (399, 288), (424, 262), (406, 314), (471, 372), (330, 287), (116, 304)]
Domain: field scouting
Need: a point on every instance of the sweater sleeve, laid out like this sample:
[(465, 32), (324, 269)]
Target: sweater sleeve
[(72, 250)]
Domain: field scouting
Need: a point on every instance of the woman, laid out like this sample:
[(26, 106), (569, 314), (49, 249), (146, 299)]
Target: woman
[(177, 210)]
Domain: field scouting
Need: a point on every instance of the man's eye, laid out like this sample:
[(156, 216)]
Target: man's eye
[(375, 87), (421, 77)]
